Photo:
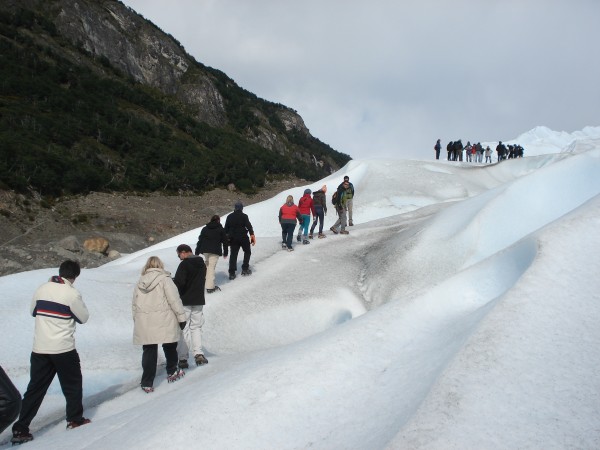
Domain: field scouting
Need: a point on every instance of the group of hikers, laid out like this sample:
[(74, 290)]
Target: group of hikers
[(167, 311), (291, 214), (475, 152)]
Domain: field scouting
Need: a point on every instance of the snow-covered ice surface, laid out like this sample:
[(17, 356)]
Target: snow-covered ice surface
[(461, 312)]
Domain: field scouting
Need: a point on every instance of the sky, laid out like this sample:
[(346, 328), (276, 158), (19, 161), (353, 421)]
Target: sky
[(460, 312), (387, 78)]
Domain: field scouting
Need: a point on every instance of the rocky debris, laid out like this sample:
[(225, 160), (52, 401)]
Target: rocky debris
[(97, 245), (35, 234)]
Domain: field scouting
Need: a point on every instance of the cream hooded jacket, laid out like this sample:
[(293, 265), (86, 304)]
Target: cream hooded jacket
[(157, 309)]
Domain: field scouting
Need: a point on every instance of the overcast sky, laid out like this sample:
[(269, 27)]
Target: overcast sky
[(386, 78)]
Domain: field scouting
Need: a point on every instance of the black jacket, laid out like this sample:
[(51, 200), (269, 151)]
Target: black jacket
[(212, 239), (237, 226), (10, 401), (189, 279), (319, 199)]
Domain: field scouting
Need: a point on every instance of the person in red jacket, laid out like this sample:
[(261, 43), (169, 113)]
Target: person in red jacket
[(288, 214), (306, 207)]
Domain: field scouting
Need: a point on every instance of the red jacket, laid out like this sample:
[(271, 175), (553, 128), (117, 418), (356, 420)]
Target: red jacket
[(289, 213), (306, 205)]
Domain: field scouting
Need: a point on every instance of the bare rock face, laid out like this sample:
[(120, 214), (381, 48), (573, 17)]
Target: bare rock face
[(96, 245), (113, 31)]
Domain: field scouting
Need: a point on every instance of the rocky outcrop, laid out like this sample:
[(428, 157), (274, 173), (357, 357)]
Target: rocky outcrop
[(130, 43)]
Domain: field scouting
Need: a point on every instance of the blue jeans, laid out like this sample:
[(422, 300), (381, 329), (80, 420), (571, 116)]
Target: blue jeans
[(320, 218)]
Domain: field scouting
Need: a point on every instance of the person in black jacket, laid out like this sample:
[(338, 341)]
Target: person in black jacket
[(320, 203), (237, 228), (212, 243), (10, 401), (189, 279)]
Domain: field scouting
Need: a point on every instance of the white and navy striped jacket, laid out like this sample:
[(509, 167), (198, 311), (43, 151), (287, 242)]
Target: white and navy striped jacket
[(56, 306)]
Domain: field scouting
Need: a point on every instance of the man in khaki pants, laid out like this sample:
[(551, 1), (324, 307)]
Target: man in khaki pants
[(212, 243)]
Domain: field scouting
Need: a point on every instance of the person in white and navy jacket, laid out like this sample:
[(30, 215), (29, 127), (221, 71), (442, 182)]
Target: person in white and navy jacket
[(57, 306)]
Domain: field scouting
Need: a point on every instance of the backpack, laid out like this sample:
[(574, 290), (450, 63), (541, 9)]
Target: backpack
[(334, 198)]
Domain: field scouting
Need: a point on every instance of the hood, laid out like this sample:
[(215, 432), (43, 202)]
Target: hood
[(213, 225), (151, 279)]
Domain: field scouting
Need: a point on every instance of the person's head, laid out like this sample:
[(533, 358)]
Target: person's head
[(238, 206), (215, 218), (346, 184), (307, 191), (347, 178), (154, 262), (324, 188), (183, 251), (69, 269), (289, 200)]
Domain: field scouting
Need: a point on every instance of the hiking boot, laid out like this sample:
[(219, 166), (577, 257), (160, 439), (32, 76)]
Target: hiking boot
[(77, 423), (298, 238), (351, 224), (246, 272), (334, 230), (232, 276), (306, 241), (200, 359), (321, 236), (290, 249), (20, 437), (344, 232), (183, 364), (215, 289), (179, 373), (310, 236), (283, 246), (147, 389)]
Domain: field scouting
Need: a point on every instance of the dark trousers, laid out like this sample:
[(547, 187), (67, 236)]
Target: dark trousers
[(43, 368), (319, 217), (10, 401), (150, 358), (287, 233), (235, 246)]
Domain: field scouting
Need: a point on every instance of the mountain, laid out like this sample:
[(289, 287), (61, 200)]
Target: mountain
[(95, 97)]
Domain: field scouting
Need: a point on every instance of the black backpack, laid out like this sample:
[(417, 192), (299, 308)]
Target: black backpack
[(334, 198)]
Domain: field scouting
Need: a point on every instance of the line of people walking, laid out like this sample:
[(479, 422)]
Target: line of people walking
[(166, 311), (475, 152), (291, 214)]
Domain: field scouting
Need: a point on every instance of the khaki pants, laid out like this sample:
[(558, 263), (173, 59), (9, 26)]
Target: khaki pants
[(211, 260), (191, 337)]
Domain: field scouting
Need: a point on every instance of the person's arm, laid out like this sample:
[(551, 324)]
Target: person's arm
[(199, 244), (174, 300), (180, 278), (224, 243), (78, 309)]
